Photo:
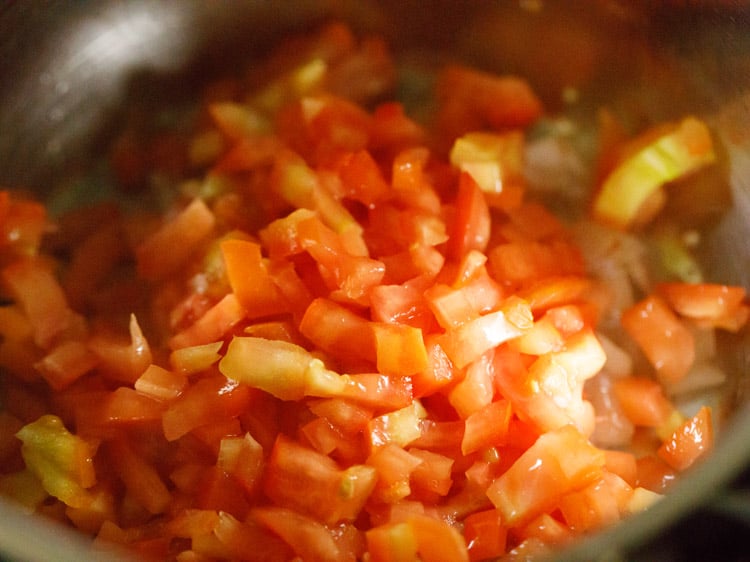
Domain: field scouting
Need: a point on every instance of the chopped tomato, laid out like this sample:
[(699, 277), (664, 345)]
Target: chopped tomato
[(34, 287), (690, 441), (205, 402), (559, 462), (167, 249), (331, 494), (643, 401), (721, 306), (485, 535), (471, 221), (331, 333), (666, 341), (249, 278)]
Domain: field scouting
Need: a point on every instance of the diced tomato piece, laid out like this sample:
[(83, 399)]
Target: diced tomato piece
[(433, 475), (331, 494), (543, 337), (441, 436), (400, 349), (293, 289), (439, 371), (167, 249), (452, 307), (394, 467), (476, 390), (666, 341), (124, 406), (468, 342), (474, 100), (487, 427), (379, 392), (623, 464), (525, 262), (140, 477), (354, 275), (437, 540), (485, 535), (123, 360), (393, 128), (554, 389), (690, 442), (251, 283), (221, 492), (280, 368), (34, 287), (212, 326), (400, 304), (392, 543), (599, 504), (470, 229), (544, 530), (324, 437), (306, 536), (560, 461), (195, 358), (66, 363), (721, 306), (654, 474), (643, 401), (249, 540), (555, 291), (400, 426), (338, 330), (207, 401), (362, 179), (343, 414)]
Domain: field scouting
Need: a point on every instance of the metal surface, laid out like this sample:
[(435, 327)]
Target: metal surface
[(67, 69)]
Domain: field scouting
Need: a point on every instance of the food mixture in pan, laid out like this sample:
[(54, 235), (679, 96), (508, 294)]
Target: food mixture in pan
[(317, 324)]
